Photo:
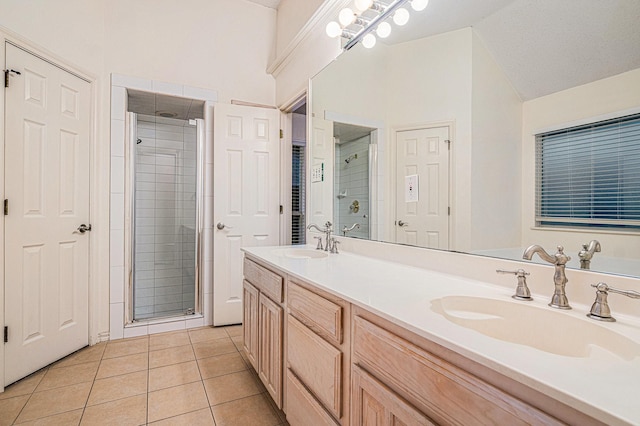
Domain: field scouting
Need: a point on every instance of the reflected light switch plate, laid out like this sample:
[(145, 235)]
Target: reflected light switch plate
[(317, 173), (411, 192)]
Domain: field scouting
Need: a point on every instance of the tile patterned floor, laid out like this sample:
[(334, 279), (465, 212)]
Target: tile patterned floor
[(195, 377)]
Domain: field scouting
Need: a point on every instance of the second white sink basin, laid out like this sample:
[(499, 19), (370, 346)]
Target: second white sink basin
[(547, 330), (302, 253)]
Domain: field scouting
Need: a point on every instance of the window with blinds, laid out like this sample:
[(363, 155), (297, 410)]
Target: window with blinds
[(298, 235), (589, 176)]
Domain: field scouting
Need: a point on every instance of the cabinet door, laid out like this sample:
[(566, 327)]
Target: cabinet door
[(250, 322), (374, 404), (270, 352), (302, 408)]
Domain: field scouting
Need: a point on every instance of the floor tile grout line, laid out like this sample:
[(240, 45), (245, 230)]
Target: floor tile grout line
[(92, 384), (146, 414)]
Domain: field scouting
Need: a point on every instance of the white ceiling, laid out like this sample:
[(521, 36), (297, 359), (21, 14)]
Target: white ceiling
[(273, 4), (543, 46), (157, 105)]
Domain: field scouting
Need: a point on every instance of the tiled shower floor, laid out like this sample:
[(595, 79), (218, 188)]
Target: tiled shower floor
[(195, 377)]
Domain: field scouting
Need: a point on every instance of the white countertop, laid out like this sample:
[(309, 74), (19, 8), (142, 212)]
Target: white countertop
[(602, 386)]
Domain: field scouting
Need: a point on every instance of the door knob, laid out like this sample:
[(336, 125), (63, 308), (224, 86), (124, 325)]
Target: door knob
[(221, 226), (84, 228), (401, 223)]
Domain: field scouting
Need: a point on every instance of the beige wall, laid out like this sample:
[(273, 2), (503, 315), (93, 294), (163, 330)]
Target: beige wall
[(222, 45), (595, 101), (292, 16), (495, 182)]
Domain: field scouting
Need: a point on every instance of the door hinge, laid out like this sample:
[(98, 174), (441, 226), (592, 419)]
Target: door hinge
[(6, 334), (281, 133), (6, 207), (448, 211), (281, 209), (448, 142), (7, 72)]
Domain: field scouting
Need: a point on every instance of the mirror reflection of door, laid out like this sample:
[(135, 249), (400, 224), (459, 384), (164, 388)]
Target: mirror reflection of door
[(422, 201), (352, 180)]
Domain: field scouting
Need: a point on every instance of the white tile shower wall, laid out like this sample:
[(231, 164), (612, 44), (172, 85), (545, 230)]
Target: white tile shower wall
[(118, 219), (352, 178)]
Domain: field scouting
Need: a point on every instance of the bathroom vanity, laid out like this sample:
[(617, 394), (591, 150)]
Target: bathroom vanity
[(349, 339)]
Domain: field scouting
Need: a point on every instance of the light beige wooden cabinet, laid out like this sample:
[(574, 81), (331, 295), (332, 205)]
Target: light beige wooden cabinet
[(328, 363), (263, 330), (399, 377), (318, 353)]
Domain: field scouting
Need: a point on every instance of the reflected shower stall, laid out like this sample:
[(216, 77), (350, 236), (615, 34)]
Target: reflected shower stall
[(166, 137), (354, 178)]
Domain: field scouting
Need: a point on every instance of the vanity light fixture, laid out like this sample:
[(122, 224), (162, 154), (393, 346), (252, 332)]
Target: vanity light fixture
[(383, 30), (369, 40), (401, 17), (370, 15)]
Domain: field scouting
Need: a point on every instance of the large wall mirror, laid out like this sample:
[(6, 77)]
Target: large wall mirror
[(429, 138)]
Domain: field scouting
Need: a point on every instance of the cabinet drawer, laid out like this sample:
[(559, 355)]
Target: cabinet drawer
[(266, 281), (321, 315), (316, 363), (446, 393), (302, 407)]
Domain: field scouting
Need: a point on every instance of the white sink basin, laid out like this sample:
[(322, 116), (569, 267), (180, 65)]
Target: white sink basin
[(547, 330), (301, 253)]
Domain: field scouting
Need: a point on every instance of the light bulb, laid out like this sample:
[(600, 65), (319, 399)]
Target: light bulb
[(333, 29), (369, 41), (362, 5), (383, 30), (401, 16), (419, 5), (346, 16)]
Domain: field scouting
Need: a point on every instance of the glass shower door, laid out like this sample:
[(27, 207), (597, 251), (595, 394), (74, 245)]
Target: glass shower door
[(164, 172)]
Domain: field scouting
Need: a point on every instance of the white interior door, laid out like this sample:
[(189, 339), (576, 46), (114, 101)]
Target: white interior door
[(423, 153), (47, 188), (321, 184), (246, 197)]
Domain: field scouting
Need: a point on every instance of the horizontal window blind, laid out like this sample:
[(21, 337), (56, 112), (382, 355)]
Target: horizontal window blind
[(298, 235), (589, 176)]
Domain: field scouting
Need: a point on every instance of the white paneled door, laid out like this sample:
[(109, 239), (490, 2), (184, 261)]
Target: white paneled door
[(246, 198), (422, 218), (47, 187)]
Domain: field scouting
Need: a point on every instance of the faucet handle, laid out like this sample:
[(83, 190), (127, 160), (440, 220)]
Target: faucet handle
[(604, 287), (600, 309), (517, 272), (334, 245), (522, 290), (319, 246)]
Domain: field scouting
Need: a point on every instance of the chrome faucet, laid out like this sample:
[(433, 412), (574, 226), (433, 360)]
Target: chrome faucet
[(345, 229), (559, 299), (587, 252), (327, 232)]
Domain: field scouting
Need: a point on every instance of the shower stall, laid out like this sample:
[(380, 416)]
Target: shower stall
[(354, 178), (164, 173)]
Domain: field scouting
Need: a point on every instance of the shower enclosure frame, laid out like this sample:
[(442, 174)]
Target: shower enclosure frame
[(129, 226)]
